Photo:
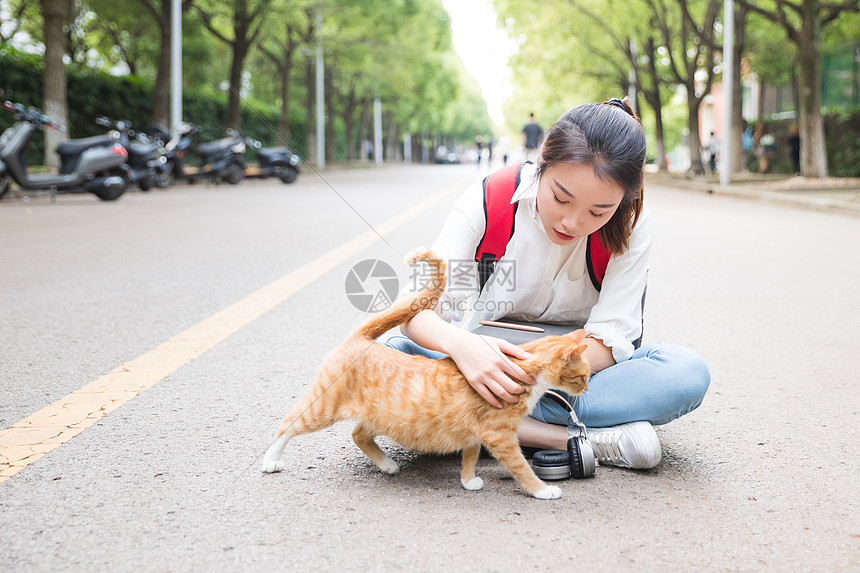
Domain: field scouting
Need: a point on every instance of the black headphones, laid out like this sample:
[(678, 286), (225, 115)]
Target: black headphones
[(577, 462)]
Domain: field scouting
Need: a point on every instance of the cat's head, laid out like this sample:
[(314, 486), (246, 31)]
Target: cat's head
[(560, 360)]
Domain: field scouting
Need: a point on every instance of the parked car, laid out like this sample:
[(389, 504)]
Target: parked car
[(447, 155)]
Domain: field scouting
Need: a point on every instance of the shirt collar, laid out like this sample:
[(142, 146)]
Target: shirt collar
[(528, 186)]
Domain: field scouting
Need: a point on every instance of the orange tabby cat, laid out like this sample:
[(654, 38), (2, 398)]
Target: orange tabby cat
[(425, 404)]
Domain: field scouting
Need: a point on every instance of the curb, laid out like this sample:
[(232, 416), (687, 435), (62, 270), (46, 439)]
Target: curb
[(823, 204)]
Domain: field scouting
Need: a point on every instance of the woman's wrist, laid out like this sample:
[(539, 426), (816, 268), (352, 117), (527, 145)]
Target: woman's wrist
[(429, 330), (452, 340)]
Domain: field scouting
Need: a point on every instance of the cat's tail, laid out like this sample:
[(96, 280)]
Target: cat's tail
[(433, 285)]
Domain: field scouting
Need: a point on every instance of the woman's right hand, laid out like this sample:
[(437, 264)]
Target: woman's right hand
[(483, 363)]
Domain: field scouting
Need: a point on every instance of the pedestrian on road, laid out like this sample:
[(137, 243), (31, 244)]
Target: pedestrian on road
[(712, 150), (532, 133), (588, 180), (794, 148)]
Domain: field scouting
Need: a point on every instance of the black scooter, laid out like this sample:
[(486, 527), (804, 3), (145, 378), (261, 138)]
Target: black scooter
[(93, 164), (280, 162), (146, 159), (220, 160)]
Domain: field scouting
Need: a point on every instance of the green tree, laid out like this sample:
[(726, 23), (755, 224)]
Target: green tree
[(17, 14), (802, 22), (237, 24), (688, 39), (55, 14), (159, 12), (281, 42)]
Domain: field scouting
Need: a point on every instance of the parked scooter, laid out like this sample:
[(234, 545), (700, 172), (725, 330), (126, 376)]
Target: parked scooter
[(169, 147), (92, 164), (220, 160), (146, 158), (280, 162)]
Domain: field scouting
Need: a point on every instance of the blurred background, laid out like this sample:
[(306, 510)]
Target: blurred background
[(453, 81)]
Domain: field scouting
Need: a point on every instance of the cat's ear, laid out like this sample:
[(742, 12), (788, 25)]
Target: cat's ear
[(575, 352), (576, 335)]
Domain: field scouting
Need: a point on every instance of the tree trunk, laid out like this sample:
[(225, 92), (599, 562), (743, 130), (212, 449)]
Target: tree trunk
[(364, 130), (693, 140), (349, 128), (284, 118), (161, 90), (285, 68), (737, 145), (240, 50), (310, 98), (660, 152), (656, 103), (330, 142), (392, 138), (813, 150), (54, 78)]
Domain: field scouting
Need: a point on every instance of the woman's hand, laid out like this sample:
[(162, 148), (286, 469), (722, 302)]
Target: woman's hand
[(482, 361)]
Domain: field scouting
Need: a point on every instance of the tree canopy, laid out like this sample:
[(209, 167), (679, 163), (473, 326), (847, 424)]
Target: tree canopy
[(259, 53), (573, 51)]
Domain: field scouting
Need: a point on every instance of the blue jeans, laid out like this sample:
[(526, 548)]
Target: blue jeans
[(660, 382)]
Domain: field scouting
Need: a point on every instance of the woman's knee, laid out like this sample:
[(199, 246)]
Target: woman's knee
[(687, 371), (394, 339), (397, 341)]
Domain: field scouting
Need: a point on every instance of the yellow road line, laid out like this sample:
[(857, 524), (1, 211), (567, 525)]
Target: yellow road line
[(38, 434)]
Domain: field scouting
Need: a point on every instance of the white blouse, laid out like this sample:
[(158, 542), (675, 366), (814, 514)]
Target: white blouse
[(537, 280)]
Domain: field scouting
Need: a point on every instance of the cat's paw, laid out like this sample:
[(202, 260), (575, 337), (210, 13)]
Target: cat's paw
[(549, 492), (271, 467), (473, 484), (389, 466)]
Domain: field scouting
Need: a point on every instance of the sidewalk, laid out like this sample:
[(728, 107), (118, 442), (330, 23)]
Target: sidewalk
[(834, 194)]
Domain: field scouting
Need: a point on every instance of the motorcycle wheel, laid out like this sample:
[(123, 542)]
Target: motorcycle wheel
[(165, 179), (233, 174), (113, 192), (289, 176)]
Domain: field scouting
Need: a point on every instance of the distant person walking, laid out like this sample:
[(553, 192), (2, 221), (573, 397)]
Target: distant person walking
[(532, 134), (712, 149), (794, 147), (764, 147)]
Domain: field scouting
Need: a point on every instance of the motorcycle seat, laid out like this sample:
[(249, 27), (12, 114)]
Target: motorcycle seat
[(273, 152), (159, 131), (75, 147), (141, 149), (216, 146)]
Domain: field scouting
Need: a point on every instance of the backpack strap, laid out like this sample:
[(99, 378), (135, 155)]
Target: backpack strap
[(596, 258), (499, 189)]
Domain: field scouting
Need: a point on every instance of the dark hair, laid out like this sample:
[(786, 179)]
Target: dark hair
[(608, 137)]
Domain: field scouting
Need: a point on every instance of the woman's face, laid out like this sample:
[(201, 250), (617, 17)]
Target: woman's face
[(573, 202)]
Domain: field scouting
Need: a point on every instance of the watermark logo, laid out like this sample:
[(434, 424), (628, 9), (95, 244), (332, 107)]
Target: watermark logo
[(371, 285)]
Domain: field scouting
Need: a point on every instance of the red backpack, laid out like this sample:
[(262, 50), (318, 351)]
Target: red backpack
[(499, 189)]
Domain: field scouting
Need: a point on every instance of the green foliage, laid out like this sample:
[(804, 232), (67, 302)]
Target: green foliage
[(843, 145), (770, 55), (400, 50), (92, 93)]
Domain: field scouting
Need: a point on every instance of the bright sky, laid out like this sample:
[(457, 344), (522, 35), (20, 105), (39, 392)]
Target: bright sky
[(484, 49)]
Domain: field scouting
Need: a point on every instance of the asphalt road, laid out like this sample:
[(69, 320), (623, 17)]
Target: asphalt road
[(762, 477)]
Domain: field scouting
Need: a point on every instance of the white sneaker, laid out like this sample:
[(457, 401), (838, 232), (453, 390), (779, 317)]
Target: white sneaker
[(634, 445)]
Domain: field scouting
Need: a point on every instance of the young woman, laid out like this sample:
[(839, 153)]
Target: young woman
[(588, 178)]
